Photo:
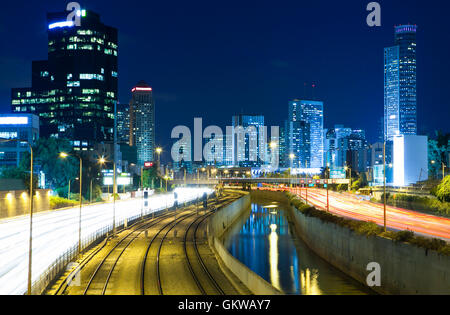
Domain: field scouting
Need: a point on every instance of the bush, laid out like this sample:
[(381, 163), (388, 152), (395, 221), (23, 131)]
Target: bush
[(443, 190), (58, 202)]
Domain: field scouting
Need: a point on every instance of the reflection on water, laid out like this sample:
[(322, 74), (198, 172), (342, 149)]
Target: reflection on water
[(262, 241)]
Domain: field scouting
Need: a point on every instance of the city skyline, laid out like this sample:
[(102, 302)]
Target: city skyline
[(274, 99)]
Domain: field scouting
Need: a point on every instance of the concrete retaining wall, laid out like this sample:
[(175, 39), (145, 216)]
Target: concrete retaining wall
[(405, 268), (17, 202), (218, 224)]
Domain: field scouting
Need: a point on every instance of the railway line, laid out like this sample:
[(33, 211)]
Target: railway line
[(147, 259)]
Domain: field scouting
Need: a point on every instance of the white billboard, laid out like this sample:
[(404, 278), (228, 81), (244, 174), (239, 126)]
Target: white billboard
[(410, 159)]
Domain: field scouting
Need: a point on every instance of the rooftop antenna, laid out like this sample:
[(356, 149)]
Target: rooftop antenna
[(313, 90)]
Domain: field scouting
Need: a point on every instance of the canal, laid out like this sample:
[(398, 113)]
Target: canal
[(264, 241)]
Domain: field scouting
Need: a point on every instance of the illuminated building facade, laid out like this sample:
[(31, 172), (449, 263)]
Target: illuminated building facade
[(246, 150), (21, 127), (143, 107), (311, 112), (74, 91), (123, 124), (400, 84)]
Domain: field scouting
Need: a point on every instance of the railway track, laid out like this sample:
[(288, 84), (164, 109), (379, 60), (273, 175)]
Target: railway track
[(62, 288), (100, 278), (195, 276)]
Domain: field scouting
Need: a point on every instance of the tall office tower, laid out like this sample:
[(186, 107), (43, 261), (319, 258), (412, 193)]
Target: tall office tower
[(74, 91), (123, 124), (283, 151), (311, 112), (400, 95), (18, 127), (143, 108), (299, 144), (247, 140)]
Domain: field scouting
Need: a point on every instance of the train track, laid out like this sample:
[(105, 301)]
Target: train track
[(196, 278), (62, 287), (116, 259), (104, 270), (189, 261)]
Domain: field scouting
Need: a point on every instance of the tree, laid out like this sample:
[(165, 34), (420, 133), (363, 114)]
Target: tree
[(20, 173), (150, 177), (57, 171), (443, 190), (437, 151)]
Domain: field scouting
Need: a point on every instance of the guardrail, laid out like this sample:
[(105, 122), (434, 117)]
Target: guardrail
[(55, 237)]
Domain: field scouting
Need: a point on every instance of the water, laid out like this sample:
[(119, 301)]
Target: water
[(262, 240)]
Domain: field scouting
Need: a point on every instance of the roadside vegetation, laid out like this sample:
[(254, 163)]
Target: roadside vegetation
[(59, 202), (370, 228)]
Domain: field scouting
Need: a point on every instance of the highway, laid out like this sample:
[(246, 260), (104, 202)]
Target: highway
[(350, 206), (160, 256), (55, 233)]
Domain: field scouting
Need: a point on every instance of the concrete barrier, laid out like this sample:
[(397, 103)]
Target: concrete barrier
[(218, 224), (405, 268)]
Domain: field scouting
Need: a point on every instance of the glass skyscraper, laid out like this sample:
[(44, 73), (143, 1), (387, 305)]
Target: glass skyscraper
[(310, 112), (74, 91), (246, 151), (142, 109), (400, 81)]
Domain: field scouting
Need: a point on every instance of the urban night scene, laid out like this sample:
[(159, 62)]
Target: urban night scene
[(230, 155)]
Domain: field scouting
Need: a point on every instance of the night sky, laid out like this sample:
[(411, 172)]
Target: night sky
[(213, 59)]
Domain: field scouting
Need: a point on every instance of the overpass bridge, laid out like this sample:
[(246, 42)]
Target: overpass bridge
[(273, 181)]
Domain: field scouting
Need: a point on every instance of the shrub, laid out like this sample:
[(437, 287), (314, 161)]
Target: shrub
[(58, 202), (443, 190)]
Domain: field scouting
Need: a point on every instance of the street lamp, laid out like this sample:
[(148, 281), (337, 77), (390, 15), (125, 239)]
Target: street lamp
[(291, 157), (30, 249), (158, 153), (64, 155), (103, 161), (166, 178)]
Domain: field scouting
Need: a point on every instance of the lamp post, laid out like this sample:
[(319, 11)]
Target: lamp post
[(291, 157), (68, 191), (103, 161), (65, 155), (30, 245), (158, 151), (349, 169)]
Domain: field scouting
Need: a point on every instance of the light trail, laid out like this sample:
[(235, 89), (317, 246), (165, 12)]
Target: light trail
[(56, 232), (349, 206)]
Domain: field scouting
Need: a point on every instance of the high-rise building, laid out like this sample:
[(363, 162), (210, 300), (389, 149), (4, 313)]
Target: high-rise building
[(400, 81), (143, 108), (19, 127), (74, 91), (123, 124), (299, 144), (248, 140), (311, 112)]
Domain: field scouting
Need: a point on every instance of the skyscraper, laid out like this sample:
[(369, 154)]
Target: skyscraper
[(400, 78), (74, 91), (123, 124), (299, 144), (143, 108), (248, 141), (310, 112)]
